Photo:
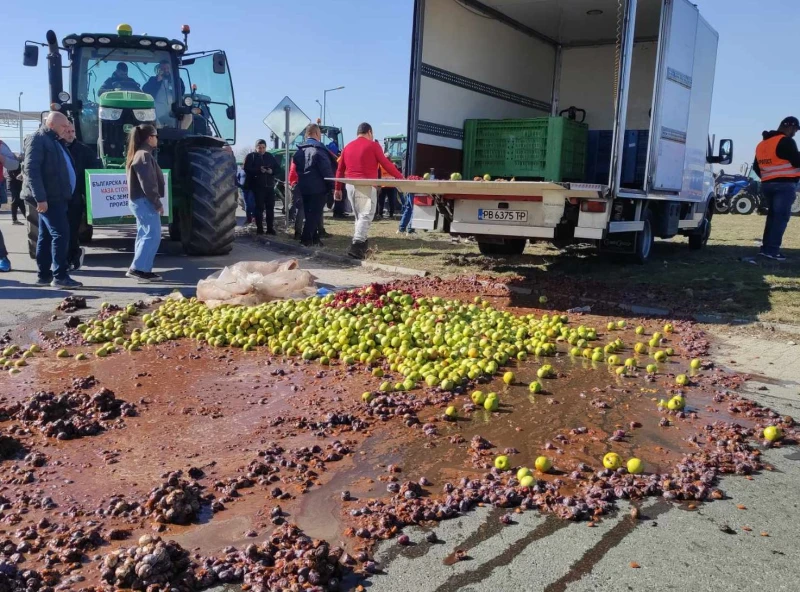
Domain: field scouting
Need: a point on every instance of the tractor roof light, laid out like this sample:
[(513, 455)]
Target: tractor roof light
[(63, 96), (87, 39), (104, 40), (70, 41), (124, 30), (145, 42), (161, 43), (188, 101), (177, 47)]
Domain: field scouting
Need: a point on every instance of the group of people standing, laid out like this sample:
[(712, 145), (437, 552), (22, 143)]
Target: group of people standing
[(49, 176), (311, 168)]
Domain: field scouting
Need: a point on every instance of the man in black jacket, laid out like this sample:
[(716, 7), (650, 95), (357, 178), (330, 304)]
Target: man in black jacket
[(49, 183), (119, 80), (313, 164), (84, 158), (15, 188), (260, 167)]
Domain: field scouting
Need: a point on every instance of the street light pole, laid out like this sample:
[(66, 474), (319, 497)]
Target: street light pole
[(320, 109), (325, 102), (19, 115)]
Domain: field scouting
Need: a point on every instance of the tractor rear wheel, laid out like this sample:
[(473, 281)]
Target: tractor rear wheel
[(32, 223), (207, 225)]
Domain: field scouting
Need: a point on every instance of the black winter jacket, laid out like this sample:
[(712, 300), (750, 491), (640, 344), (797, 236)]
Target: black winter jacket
[(84, 158), (45, 170), (255, 179), (313, 163)]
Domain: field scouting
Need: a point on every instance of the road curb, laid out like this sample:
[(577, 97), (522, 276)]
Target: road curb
[(341, 259)]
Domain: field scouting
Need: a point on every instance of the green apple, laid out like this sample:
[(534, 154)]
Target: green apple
[(635, 466), (612, 461), (543, 464), (502, 463)]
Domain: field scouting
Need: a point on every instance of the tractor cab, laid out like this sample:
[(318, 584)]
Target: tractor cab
[(118, 81), (396, 148)]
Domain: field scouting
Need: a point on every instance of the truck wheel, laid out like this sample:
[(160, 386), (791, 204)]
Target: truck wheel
[(509, 246), (32, 222), (645, 239), (208, 228), (743, 204), (699, 238)]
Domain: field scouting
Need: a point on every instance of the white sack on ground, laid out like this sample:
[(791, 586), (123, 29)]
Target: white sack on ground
[(253, 282)]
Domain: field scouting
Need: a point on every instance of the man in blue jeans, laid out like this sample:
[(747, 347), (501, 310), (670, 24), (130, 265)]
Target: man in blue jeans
[(778, 164), (50, 181)]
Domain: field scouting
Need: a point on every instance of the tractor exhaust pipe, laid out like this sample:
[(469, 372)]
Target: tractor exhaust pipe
[(54, 74)]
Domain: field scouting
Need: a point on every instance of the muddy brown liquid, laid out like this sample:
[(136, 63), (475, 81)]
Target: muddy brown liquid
[(216, 409)]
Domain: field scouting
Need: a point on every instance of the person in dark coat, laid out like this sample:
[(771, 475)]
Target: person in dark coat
[(48, 185), (15, 189), (313, 164), (260, 167), (119, 80), (85, 158)]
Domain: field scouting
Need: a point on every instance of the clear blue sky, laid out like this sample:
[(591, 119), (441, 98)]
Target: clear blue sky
[(277, 48)]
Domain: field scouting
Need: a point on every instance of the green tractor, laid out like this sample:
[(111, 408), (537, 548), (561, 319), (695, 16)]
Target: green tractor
[(118, 81), (397, 149)]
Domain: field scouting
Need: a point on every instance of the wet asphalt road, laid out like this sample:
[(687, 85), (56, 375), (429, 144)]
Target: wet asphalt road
[(675, 549)]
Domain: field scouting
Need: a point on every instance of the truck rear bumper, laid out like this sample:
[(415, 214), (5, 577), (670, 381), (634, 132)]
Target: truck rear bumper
[(514, 231)]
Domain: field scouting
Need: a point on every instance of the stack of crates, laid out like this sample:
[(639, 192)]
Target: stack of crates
[(544, 148), (634, 157)]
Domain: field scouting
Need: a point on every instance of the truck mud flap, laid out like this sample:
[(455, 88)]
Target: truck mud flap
[(619, 242)]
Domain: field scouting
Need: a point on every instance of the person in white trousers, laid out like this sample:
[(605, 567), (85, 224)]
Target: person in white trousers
[(360, 160)]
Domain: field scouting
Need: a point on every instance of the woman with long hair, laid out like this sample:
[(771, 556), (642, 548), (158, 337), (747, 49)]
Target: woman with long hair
[(145, 190)]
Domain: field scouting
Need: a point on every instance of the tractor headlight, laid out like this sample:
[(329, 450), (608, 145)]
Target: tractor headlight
[(145, 114), (188, 101), (110, 114), (177, 47), (63, 96)]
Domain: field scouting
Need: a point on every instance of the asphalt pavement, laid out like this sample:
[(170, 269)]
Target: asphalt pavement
[(668, 548)]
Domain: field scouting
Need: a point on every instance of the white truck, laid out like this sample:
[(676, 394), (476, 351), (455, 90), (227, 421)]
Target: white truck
[(629, 64)]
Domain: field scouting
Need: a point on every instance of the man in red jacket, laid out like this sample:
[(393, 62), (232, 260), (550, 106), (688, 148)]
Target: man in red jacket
[(360, 160)]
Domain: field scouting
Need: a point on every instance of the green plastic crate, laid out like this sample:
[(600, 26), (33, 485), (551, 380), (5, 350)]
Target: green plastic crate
[(547, 148)]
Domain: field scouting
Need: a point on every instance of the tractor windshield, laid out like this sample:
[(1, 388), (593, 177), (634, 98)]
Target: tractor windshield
[(395, 148), (212, 92), (116, 68)]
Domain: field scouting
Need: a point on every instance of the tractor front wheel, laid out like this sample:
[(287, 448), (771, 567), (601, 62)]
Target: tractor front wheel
[(207, 224)]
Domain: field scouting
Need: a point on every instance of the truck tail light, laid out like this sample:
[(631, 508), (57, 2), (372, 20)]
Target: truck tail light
[(593, 207)]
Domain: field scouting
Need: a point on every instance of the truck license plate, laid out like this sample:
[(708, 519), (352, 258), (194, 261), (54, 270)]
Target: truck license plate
[(502, 215)]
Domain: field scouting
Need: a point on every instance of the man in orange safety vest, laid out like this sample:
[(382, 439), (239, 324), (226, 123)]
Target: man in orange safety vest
[(778, 165)]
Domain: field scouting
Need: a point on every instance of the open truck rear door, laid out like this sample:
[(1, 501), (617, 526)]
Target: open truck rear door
[(672, 101)]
